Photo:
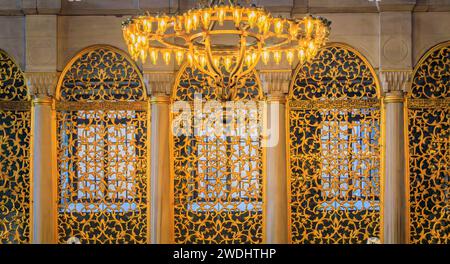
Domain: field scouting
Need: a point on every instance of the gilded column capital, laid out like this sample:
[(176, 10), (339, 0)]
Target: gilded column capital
[(276, 82), (160, 99), (278, 98), (397, 81), (159, 83), (41, 84)]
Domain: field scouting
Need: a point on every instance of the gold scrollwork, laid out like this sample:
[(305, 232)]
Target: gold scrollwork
[(334, 149), (15, 154), (101, 73), (102, 139), (428, 138), (218, 189), (12, 83)]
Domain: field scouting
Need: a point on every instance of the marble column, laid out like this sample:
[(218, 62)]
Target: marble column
[(161, 206), (395, 188), (44, 202), (276, 84)]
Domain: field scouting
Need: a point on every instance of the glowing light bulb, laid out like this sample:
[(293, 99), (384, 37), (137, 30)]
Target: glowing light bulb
[(166, 57), (262, 20), (190, 59), (277, 56), (188, 24), (311, 49), (252, 18), (162, 25), (143, 55), (237, 16), (278, 26), (290, 56), (293, 30), (195, 21), (206, 19), (154, 56), (309, 27), (221, 16), (147, 25), (132, 38), (179, 55), (265, 57), (301, 56)]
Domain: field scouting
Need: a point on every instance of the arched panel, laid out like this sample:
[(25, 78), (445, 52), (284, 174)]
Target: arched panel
[(217, 178), (101, 73), (334, 149), (428, 126), (15, 154), (103, 149)]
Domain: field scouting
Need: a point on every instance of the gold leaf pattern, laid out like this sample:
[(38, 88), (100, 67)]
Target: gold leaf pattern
[(217, 180), (334, 150), (429, 148), (15, 156), (102, 152)]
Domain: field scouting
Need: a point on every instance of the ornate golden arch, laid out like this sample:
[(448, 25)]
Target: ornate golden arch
[(202, 166), (15, 154), (428, 142), (103, 128), (334, 149), (348, 48), (120, 57)]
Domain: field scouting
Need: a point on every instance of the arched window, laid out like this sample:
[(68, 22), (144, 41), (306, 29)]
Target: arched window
[(218, 196), (334, 149), (429, 148), (15, 150), (103, 150)]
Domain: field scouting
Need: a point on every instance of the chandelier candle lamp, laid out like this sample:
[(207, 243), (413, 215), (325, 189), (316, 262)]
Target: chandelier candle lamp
[(224, 41)]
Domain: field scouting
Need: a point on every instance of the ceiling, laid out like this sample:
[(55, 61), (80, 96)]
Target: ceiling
[(131, 7)]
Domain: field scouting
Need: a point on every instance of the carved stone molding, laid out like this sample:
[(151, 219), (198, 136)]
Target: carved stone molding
[(395, 81), (159, 83), (276, 82), (41, 84)]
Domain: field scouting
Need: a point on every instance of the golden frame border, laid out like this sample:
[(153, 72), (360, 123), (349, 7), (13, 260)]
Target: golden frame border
[(406, 108), (85, 50), (142, 105), (26, 106), (381, 142), (262, 98)]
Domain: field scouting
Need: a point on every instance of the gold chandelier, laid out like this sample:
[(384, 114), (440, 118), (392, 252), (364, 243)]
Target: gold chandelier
[(225, 42)]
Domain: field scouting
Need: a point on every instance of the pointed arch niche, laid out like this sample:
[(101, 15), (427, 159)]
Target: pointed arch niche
[(334, 149), (102, 124)]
